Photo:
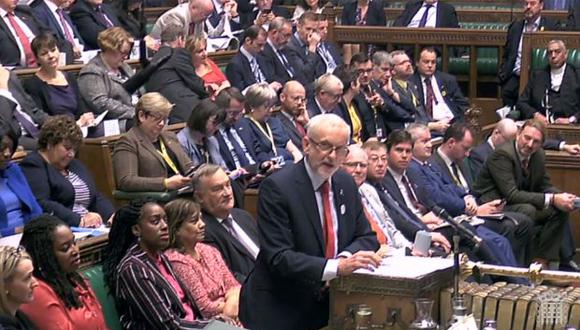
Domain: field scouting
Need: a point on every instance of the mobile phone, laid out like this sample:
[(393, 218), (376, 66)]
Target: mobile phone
[(422, 242), (191, 171), (577, 203)]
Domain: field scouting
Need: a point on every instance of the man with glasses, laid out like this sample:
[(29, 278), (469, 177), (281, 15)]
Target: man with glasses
[(327, 94), (292, 114), (302, 210), (276, 54)]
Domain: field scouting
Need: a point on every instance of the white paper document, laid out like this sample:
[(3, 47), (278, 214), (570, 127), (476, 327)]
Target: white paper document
[(408, 267)]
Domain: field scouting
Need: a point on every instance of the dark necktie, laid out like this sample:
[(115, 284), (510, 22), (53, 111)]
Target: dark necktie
[(28, 54), (456, 176), (285, 63), (240, 154), (429, 98), (65, 27), (412, 196), (103, 17), (28, 125), (228, 222), (423, 20), (329, 249), (525, 168)]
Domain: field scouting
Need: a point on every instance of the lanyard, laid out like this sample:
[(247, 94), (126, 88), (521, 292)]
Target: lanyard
[(267, 132), (166, 157)]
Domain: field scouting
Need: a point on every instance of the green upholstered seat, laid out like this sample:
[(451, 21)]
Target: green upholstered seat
[(95, 277), (160, 196), (540, 58)]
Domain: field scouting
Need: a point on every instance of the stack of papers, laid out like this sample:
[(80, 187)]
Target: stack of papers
[(408, 267)]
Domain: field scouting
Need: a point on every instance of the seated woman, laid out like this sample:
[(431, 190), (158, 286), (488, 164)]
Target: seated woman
[(200, 266), (16, 287), (197, 138), (361, 13), (61, 183), (17, 202), (302, 6), (63, 300), (214, 79), (56, 92), (148, 293), (101, 80), (147, 158), (263, 132)]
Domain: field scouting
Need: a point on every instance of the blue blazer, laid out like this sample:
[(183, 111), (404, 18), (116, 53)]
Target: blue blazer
[(56, 194), (254, 138), (44, 15), (16, 181), (190, 148), (240, 74)]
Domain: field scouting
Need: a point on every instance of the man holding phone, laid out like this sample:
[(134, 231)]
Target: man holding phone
[(264, 13)]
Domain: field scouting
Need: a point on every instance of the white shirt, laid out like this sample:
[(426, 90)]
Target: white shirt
[(246, 241), (322, 110), (399, 180), (556, 76), (24, 28), (518, 63), (440, 108), (431, 16), (7, 94), (448, 164)]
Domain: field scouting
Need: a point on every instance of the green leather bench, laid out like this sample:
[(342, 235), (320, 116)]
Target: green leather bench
[(95, 277), (540, 58)]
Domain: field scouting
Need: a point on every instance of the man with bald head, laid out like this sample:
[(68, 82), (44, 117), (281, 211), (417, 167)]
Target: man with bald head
[(312, 229), (292, 112)]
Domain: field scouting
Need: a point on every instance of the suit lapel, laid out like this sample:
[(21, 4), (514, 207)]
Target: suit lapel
[(222, 232), (308, 200), (147, 145), (6, 29)]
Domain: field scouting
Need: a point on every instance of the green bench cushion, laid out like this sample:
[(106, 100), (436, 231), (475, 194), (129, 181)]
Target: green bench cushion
[(96, 278), (161, 196), (540, 58)]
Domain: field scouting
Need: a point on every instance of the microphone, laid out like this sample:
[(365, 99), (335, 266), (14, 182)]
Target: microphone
[(441, 213)]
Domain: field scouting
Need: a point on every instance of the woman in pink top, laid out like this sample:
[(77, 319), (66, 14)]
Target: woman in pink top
[(200, 266), (63, 299)]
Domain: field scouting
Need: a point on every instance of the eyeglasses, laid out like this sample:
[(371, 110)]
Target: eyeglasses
[(158, 118), (326, 148), (356, 164)]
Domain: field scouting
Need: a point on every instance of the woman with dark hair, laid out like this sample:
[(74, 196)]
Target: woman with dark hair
[(55, 91), (197, 138), (17, 202), (303, 6), (63, 300), (16, 287), (200, 266), (61, 183), (147, 292)]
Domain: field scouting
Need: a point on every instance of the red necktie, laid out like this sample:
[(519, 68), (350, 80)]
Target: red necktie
[(375, 227), (525, 163), (329, 250), (412, 196), (300, 129), (30, 59), (430, 98)]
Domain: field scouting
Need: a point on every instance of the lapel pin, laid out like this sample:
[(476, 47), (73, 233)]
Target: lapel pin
[(342, 209)]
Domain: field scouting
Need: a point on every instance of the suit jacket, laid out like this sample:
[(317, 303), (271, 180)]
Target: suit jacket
[(322, 68), (89, 23), (191, 149), (103, 91), (532, 99), (477, 157), (249, 18), (27, 105), (307, 61), (139, 166), (275, 67), (436, 159), (56, 195), (391, 115), (10, 54), (450, 92), (40, 93), (225, 151), (512, 43), (284, 290), (263, 148), (44, 15), (16, 182), (412, 109), (178, 82), (237, 257), (446, 15), (18, 322), (215, 19), (364, 113), (573, 23), (502, 177), (375, 14), (290, 129), (239, 71)]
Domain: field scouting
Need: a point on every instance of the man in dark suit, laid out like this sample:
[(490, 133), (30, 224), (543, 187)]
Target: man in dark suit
[(438, 91), (573, 23), (308, 235), (18, 110), (176, 79), (303, 46), (327, 95), (18, 27), (91, 17), (53, 16), (248, 66), (264, 13), (552, 93), (232, 231), (329, 56), (428, 13), (509, 71), (276, 56), (516, 171), (292, 114)]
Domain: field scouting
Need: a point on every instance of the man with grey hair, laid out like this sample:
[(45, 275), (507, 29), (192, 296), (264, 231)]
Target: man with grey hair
[(231, 230), (552, 93), (327, 94), (301, 212), (276, 55)]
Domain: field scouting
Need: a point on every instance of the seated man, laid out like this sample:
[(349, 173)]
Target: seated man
[(516, 171), (292, 112), (428, 13), (264, 13), (92, 17), (392, 241), (552, 93), (225, 18), (329, 55), (276, 54), (248, 66), (18, 110), (438, 91), (327, 94), (303, 46), (231, 230)]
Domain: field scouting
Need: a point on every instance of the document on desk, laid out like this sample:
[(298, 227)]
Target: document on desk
[(408, 267)]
